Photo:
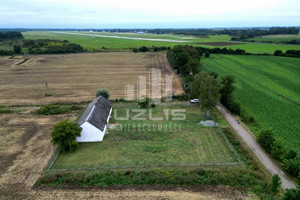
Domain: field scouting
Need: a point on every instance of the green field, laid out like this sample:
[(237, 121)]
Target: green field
[(182, 142), (276, 38), (268, 88), (116, 44)]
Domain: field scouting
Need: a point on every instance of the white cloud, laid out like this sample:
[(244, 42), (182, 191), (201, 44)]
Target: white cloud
[(88, 12)]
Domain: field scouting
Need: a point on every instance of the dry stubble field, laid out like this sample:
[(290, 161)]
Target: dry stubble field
[(76, 77)]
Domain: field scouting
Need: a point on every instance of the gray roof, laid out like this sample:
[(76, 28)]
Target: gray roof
[(96, 113)]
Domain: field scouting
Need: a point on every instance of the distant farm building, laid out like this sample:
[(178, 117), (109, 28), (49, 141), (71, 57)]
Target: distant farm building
[(94, 119)]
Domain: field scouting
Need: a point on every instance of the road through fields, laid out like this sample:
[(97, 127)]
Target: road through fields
[(264, 158)]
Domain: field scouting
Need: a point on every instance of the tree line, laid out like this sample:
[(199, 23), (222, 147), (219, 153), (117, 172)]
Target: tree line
[(45, 46), (199, 84), (244, 34), (288, 53), (152, 49), (217, 50), (289, 158), (11, 35)]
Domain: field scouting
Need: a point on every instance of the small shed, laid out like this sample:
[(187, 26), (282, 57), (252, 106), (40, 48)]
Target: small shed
[(94, 120)]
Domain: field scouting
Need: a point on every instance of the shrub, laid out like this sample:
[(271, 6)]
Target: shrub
[(292, 194), (143, 49), (290, 154), (277, 53), (276, 182), (64, 135), (144, 103), (214, 74), (55, 109), (122, 99), (5, 111), (266, 139), (17, 49), (235, 107), (292, 166), (103, 92), (251, 119), (207, 54), (276, 150), (50, 110)]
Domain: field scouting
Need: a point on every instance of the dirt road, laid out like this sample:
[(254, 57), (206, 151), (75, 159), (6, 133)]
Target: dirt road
[(264, 158)]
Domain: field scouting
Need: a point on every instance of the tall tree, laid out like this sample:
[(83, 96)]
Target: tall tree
[(17, 49), (206, 89), (227, 88), (226, 91), (276, 182)]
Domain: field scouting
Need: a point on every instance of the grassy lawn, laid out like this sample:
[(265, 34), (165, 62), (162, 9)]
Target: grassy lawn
[(181, 142), (117, 44), (267, 86)]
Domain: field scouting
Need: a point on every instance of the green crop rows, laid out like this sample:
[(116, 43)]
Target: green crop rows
[(268, 88)]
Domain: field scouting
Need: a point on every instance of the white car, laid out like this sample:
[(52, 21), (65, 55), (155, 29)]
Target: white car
[(195, 101)]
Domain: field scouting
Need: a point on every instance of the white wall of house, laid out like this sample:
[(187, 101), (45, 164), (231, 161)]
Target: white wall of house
[(90, 133)]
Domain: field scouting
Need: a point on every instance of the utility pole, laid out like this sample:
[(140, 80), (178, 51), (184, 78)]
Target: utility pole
[(46, 89)]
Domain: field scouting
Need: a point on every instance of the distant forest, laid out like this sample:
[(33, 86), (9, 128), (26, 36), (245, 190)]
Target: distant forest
[(40, 46), (11, 36)]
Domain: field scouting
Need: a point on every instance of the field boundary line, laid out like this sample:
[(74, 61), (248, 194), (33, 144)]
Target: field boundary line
[(144, 166), (52, 160), (230, 146)]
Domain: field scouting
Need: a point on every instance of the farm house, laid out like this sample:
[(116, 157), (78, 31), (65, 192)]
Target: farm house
[(94, 119)]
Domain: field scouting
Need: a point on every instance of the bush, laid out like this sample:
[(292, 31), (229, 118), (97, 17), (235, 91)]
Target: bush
[(292, 194), (55, 109), (64, 135), (50, 110), (17, 49), (122, 99), (292, 166), (207, 55), (277, 150), (235, 107), (276, 182), (103, 92), (278, 53), (143, 103), (143, 49), (290, 154), (266, 140)]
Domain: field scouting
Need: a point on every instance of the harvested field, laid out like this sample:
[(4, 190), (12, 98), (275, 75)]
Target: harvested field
[(220, 43), (76, 77)]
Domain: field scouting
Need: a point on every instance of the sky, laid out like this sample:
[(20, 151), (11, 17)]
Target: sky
[(148, 14)]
